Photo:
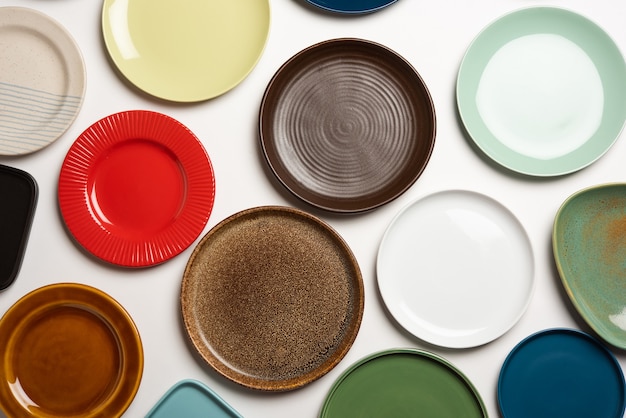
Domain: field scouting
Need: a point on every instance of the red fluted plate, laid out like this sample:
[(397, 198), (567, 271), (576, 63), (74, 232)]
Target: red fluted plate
[(136, 188)]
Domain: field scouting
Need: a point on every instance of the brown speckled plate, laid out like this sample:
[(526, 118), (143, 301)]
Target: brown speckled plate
[(272, 298), (347, 125)]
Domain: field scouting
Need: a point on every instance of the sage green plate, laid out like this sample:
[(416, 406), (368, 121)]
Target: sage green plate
[(403, 382), (590, 254), (542, 91)]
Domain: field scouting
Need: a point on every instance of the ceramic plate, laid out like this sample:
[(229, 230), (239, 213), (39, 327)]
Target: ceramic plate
[(542, 91), (65, 339), (19, 193), (136, 188), (191, 399), (185, 53), (272, 298), (455, 269), (561, 372), (42, 80), (350, 6), (403, 382), (589, 251), (347, 125)]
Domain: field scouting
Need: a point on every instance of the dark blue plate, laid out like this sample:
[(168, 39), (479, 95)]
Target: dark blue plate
[(351, 6), (18, 198), (561, 373)]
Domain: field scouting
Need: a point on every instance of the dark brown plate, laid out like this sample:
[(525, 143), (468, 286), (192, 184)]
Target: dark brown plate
[(347, 125), (272, 298)]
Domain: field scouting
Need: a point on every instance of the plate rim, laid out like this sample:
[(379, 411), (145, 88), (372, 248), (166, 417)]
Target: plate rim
[(546, 170), (75, 173), (358, 11), (557, 226), (422, 353), (110, 46), (70, 52), (206, 353), (581, 335), (265, 108), (492, 203), (130, 341), (208, 393)]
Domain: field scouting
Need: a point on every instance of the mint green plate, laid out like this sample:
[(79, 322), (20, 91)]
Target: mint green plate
[(589, 248), (403, 382), (542, 91)]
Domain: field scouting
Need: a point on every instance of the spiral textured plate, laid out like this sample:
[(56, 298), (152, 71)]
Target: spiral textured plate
[(136, 188), (347, 125)]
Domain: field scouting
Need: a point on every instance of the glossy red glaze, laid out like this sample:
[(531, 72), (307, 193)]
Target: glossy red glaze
[(136, 188)]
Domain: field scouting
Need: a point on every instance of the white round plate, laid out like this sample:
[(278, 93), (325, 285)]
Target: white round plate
[(456, 269), (42, 80)]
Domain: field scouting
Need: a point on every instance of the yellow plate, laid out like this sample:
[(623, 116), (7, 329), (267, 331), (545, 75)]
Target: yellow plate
[(68, 350), (186, 50)]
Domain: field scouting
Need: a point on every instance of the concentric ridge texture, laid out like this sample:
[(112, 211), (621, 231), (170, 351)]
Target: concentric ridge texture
[(347, 125)]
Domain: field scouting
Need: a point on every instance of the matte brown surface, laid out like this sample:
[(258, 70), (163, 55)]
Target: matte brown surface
[(68, 350), (272, 298), (347, 125)]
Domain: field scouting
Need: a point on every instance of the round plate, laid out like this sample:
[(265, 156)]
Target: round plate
[(589, 251), (136, 188), (185, 52), (42, 80), (542, 91), (456, 269), (350, 6), (347, 125), (65, 339), (403, 382), (564, 373), (270, 269)]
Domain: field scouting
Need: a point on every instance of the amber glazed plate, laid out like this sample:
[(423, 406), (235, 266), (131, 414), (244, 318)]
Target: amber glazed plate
[(68, 350), (272, 298), (347, 125)]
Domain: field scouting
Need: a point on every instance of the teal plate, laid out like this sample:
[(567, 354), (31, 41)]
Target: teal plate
[(542, 91), (191, 399), (590, 254), (561, 373), (403, 382)]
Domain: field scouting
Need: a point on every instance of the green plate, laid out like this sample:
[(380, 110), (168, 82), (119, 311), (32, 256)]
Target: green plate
[(542, 91), (590, 254), (403, 382)]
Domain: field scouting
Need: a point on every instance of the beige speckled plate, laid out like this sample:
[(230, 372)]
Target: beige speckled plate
[(42, 80), (272, 298)]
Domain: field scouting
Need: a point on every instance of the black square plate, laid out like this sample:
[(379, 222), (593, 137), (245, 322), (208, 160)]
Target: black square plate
[(18, 199)]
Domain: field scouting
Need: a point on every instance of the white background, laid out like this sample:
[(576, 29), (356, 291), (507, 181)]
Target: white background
[(433, 36)]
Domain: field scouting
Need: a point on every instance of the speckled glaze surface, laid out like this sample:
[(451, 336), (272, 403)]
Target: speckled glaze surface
[(590, 253), (347, 125), (42, 80), (272, 298)]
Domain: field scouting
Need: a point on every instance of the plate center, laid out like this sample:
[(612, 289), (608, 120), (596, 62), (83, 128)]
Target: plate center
[(541, 95), (68, 362), (137, 186)]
